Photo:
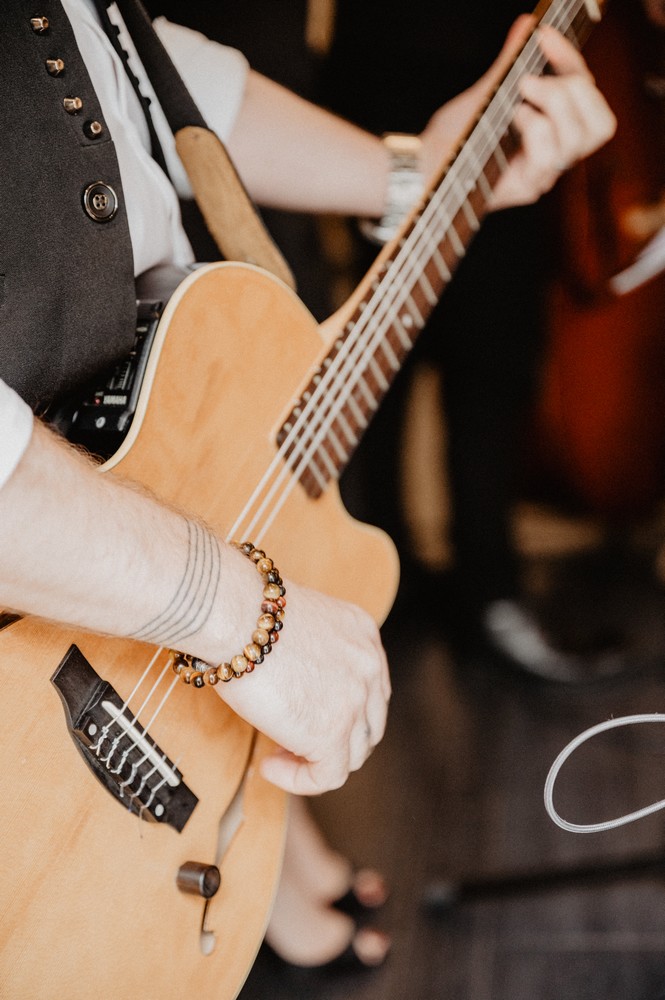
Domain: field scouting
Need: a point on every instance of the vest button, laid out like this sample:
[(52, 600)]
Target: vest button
[(55, 66), (39, 25), (100, 201), (72, 105), (93, 129)]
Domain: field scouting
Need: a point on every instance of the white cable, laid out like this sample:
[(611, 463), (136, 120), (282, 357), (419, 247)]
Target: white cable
[(611, 824)]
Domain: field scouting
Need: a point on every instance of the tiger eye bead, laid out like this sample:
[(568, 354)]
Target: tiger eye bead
[(260, 636), (225, 672), (199, 673), (239, 665), (178, 664)]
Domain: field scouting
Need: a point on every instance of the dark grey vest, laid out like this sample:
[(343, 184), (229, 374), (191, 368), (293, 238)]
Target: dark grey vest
[(67, 300)]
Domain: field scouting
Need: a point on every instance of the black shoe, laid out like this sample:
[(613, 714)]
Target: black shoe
[(511, 632)]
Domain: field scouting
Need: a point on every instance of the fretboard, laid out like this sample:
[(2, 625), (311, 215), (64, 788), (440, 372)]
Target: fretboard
[(327, 422)]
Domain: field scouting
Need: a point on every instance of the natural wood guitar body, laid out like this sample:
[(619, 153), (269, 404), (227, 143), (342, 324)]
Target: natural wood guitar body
[(88, 899), (89, 903)]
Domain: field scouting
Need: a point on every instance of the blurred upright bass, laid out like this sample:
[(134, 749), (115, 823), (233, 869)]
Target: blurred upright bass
[(600, 419)]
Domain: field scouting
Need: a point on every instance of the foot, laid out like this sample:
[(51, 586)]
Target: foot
[(316, 937), (367, 890)]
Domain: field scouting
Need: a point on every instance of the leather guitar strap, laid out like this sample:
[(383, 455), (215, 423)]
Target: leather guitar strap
[(223, 201)]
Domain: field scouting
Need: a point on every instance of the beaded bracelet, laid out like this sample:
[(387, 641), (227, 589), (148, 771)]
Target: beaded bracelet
[(270, 622)]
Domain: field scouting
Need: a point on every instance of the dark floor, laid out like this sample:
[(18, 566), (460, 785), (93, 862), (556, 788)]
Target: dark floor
[(454, 792)]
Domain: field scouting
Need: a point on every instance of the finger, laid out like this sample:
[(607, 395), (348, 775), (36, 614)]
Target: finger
[(577, 112), (377, 711), (561, 54), (517, 36), (541, 155), (302, 777), (364, 737)]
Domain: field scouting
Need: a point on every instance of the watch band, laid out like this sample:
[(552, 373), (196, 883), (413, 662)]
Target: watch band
[(405, 185)]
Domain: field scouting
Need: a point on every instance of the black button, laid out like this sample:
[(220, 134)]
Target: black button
[(100, 201)]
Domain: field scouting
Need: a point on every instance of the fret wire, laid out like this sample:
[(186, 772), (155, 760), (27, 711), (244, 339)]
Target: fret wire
[(396, 264), (538, 57), (358, 414), (367, 393)]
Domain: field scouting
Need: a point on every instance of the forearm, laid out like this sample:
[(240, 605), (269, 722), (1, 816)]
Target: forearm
[(85, 549), (296, 156)]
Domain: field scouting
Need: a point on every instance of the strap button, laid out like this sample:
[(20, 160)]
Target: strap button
[(100, 202)]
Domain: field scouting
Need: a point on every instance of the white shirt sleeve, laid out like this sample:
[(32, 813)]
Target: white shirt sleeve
[(214, 74), (16, 421)]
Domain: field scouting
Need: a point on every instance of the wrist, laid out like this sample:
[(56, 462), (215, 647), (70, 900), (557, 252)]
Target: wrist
[(404, 186), (270, 610)]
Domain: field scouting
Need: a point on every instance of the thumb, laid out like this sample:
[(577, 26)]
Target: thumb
[(295, 774), (516, 38)]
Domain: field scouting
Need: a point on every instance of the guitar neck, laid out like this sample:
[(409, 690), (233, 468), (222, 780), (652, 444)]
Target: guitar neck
[(409, 276)]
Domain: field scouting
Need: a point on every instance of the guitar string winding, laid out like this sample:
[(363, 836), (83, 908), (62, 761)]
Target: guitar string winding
[(369, 331)]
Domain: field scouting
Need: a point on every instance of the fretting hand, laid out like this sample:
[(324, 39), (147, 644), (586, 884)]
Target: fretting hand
[(563, 118)]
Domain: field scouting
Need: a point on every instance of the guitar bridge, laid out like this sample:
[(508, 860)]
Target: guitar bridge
[(116, 748)]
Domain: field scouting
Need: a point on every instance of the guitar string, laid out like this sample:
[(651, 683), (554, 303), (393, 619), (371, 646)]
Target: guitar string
[(345, 360), (298, 451), (139, 763), (103, 735), (133, 719), (371, 327), (336, 375)]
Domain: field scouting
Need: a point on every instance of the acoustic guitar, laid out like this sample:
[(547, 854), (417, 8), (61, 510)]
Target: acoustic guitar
[(140, 846)]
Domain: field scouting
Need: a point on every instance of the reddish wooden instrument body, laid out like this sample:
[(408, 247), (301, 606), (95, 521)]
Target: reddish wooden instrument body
[(600, 420)]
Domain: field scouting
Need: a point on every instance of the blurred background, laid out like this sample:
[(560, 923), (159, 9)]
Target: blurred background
[(519, 464)]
